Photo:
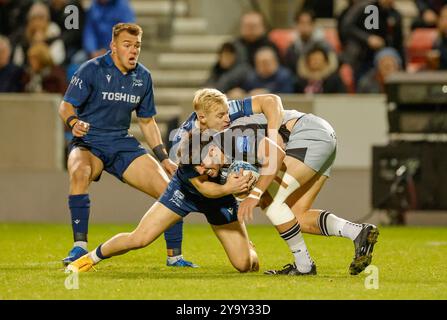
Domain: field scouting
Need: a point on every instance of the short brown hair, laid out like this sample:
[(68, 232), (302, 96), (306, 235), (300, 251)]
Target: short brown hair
[(205, 99), (131, 28)]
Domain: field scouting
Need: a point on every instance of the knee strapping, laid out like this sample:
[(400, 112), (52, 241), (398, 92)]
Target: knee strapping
[(278, 211)]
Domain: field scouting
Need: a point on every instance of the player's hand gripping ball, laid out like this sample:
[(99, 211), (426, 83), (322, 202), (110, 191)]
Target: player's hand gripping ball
[(247, 168)]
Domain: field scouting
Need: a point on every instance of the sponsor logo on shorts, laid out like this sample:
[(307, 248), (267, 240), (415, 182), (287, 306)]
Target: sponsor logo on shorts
[(177, 198)]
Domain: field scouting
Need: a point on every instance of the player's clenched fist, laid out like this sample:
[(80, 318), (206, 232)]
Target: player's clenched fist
[(80, 128)]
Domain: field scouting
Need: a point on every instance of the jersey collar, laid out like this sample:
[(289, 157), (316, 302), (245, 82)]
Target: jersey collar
[(108, 58)]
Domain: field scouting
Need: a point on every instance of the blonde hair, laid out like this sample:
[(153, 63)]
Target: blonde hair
[(205, 99), (39, 9), (131, 28), (42, 53)]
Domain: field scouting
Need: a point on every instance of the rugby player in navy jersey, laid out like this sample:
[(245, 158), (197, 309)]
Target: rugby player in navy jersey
[(212, 111), (97, 107)]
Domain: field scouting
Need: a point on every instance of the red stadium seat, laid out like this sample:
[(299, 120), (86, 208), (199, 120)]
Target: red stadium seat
[(282, 38), (419, 43), (347, 76), (331, 35)]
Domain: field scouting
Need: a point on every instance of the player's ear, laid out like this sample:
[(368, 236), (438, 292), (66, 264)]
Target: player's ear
[(201, 117), (112, 46)]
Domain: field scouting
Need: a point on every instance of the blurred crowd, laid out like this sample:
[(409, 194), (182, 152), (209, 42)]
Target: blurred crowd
[(39, 49), (38, 53), (310, 59)]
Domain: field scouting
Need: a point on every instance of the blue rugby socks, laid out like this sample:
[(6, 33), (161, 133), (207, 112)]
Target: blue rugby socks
[(80, 210), (173, 238)]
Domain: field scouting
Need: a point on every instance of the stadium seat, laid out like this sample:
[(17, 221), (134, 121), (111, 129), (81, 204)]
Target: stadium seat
[(331, 35), (347, 76), (419, 43), (282, 38)]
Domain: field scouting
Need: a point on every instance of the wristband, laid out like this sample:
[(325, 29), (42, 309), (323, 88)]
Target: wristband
[(160, 152), (258, 191), (67, 122)]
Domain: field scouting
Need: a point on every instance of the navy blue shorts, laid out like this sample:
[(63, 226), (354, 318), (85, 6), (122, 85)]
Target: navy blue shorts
[(217, 211), (116, 153)]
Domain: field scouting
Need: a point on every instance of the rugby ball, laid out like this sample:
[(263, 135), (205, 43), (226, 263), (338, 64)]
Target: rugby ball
[(246, 167)]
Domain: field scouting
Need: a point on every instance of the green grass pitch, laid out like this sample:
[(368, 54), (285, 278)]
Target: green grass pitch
[(411, 263)]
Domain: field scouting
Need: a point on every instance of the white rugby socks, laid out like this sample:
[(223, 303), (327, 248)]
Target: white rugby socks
[(331, 225), (295, 241)]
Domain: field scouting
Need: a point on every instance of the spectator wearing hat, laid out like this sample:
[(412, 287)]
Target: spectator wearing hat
[(386, 62), (362, 42)]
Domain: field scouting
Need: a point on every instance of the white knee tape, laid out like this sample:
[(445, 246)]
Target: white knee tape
[(282, 191), (278, 212)]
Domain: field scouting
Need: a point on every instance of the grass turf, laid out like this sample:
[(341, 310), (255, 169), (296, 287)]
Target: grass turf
[(411, 263)]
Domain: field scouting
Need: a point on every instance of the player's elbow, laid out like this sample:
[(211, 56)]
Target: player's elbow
[(62, 109), (273, 97), (272, 100)]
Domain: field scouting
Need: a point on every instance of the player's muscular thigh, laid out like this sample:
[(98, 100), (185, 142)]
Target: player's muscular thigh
[(83, 167)]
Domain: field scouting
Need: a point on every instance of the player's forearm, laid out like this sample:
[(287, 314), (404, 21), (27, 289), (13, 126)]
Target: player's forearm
[(66, 110), (268, 172), (150, 131), (272, 162), (214, 190)]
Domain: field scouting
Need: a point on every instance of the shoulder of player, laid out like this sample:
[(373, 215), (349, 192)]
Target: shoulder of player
[(188, 124), (143, 70), (90, 66), (184, 129)]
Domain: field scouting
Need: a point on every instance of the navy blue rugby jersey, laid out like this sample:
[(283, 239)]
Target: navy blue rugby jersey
[(105, 97)]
